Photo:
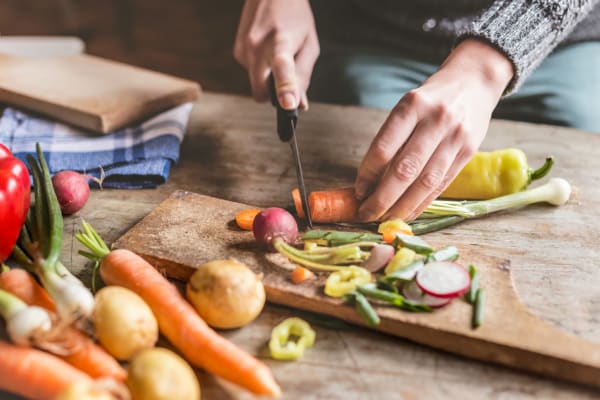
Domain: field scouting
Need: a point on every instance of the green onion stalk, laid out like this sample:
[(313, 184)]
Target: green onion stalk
[(325, 258), (444, 213), (39, 247)]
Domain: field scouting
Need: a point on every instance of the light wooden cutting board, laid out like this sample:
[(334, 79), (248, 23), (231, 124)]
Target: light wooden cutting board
[(90, 92), (188, 229)]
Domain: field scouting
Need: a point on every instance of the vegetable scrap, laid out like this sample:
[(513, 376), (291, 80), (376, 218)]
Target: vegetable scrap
[(415, 278), (245, 218), (301, 274), (290, 338)]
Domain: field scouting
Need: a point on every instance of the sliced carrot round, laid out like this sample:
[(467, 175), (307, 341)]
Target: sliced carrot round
[(245, 218), (298, 203), (301, 274)]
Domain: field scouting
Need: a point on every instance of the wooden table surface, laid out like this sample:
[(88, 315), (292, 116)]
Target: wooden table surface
[(231, 151)]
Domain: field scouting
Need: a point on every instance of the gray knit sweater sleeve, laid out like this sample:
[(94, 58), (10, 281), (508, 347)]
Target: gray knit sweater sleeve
[(527, 30)]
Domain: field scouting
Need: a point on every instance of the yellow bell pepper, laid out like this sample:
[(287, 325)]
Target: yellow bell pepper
[(492, 174)]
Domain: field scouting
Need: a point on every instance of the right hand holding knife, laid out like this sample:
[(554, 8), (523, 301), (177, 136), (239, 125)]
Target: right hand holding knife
[(279, 38)]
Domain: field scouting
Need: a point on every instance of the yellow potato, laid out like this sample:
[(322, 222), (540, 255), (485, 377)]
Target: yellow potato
[(123, 322), (226, 293), (84, 391), (160, 374)]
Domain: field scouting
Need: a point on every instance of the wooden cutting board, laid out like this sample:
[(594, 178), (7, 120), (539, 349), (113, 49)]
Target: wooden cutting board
[(188, 229), (90, 92)]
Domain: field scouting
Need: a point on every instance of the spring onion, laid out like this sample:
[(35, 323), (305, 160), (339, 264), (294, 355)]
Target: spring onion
[(39, 248), (25, 325), (444, 213)]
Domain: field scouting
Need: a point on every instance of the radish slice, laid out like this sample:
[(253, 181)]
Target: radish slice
[(381, 255), (443, 279), (412, 292)]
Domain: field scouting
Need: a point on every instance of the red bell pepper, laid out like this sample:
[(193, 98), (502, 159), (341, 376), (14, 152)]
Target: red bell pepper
[(14, 200)]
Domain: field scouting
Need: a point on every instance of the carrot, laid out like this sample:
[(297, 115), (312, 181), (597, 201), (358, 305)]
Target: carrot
[(20, 283), (245, 218), (82, 352), (179, 322), (301, 274), (329, 206), (35, 374)]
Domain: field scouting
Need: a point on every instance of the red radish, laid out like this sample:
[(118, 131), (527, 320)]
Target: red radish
[(412, 292), (380, 256), (443, 279), (274, 223), (72, 191)]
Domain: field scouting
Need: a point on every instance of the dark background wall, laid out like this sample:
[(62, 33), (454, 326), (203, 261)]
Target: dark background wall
[(188, 38)]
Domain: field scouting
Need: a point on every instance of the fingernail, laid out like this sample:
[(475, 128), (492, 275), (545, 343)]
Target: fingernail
[(360, 189), (288, 101), (366, 215)]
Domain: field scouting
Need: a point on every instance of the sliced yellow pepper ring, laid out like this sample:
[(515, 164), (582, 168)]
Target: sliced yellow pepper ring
[(390, 228), (281, 344), (344, 281)]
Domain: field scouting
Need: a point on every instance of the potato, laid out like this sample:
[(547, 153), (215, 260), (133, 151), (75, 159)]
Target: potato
[(124, 323), (84, 391), (226, 293), (160, 374)]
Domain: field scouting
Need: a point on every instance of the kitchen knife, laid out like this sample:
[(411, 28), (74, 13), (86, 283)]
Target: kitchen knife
[(286, 130)]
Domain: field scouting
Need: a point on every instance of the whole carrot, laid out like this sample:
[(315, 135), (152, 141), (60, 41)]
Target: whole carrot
[(35, 374), (177, 319), (81, 351)]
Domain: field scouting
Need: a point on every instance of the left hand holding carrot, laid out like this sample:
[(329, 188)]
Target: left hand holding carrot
[(431, 134)]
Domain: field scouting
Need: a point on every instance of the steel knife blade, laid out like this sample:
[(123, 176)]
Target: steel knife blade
[(286, 130)]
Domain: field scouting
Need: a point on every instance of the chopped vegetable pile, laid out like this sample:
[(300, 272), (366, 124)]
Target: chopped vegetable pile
[(408, 273)]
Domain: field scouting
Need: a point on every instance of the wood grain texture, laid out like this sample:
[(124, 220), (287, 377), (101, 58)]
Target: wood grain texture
[(231, 151), (90, 92), (188, 230)]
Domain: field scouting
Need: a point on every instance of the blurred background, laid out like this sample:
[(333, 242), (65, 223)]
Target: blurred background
[(188, 38)]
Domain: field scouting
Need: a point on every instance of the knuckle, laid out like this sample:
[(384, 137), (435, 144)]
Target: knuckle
[(407, 168), (251, 42), (431, 179), (381, 152), (418, 99), (444, 112)]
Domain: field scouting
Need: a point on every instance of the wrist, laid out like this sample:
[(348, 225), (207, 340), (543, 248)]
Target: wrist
[(477, 58)]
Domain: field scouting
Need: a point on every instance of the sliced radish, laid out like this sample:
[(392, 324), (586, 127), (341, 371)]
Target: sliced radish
[(413, 293), (381, 255), (443, 279)]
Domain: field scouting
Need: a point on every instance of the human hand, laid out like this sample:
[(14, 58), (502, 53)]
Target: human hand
[(432, 133), (280, 37)]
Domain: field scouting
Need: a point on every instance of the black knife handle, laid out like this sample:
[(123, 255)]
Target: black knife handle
[(286, 119)]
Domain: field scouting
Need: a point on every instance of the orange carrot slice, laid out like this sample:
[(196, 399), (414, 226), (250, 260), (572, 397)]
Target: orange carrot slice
[(245, 218)]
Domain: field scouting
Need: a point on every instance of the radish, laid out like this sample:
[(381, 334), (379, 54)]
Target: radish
[(443, 279), (412, 292), (72, 191), (273, 223), (380, 256)]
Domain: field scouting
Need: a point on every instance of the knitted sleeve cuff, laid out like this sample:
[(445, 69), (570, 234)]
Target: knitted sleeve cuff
[(526, 31)]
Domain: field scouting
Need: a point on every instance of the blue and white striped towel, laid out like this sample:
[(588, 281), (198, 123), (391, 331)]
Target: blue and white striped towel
[(132, 158)]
